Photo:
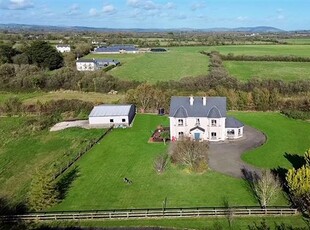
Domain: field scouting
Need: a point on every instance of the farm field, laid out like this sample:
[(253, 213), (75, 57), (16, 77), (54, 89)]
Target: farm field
[(256, 50), (284, 135), (126, 153), (152, 67), (297, 40), (33, 97), (23, 150), (287, 71)]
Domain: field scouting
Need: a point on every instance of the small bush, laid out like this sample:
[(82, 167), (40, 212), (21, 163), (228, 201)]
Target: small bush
[(297, 114)]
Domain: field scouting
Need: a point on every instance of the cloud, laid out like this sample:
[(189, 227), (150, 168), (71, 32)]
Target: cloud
[(242, 19), (170, 6), (73, 10), (16, 4), (198, 6), (93, 12), (109, 9), (146, 4)]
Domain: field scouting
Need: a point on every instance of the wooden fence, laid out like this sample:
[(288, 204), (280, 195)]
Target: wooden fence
[(153, 213), (80, 154)]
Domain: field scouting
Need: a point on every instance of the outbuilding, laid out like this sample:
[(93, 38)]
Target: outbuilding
[(112, 115)]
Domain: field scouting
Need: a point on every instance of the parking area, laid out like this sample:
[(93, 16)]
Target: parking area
[(225, 157)]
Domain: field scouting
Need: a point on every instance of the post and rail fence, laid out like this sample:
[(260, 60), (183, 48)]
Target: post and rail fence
[(152, 213)]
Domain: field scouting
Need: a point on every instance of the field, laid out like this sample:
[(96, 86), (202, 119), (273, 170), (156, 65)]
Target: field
[(152, 67), (256, 50), (126, 153), (33, 97), (284, 135), (297, 40), (23, 150), (287, 71)]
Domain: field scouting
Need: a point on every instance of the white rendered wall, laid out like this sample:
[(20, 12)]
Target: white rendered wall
[(105, 121)]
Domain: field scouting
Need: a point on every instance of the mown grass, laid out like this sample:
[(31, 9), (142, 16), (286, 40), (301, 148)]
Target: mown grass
[(192, 223), (287, 71), (97, 98), (284, 135), (152, 67), (126, 153), (22, 151), (255, 50)]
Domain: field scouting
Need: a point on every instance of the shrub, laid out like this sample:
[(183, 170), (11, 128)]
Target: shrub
[(160, 163)]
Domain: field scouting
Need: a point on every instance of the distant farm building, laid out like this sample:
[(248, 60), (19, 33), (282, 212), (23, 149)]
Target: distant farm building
[(158, 50), (116, 49), (62, 48), (95, 64), (112, 115)]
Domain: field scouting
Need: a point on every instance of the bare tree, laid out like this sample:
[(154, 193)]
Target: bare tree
[(264, 186), (160, 163), (191, 154)]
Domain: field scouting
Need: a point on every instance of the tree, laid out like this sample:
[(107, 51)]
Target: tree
[(160, 163), (6, 53), (165, 136), (142, 95), (191, 154), (44, 55), (43, 193), (264, 186)]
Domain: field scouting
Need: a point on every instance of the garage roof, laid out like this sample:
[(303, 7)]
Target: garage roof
[(110, 110)]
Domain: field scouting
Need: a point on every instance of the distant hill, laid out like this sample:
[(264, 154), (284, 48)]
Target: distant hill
[(25, 27)]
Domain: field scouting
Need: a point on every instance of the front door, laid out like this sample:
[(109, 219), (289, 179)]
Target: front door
[(197, 136)]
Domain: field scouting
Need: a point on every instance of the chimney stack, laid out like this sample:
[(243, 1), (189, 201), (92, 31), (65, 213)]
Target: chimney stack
[(191, 100), (204, 101)]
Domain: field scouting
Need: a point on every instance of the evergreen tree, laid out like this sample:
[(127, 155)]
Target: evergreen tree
[(44, 55)]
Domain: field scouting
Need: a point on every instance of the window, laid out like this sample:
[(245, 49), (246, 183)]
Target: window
[(111, 120), (181, 134), (231, 132), (197, 122), (123, 120), (239, 132), (213, 135), (213, 122), (180, 122)]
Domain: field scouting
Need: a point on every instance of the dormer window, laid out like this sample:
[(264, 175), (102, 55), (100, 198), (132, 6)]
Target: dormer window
[(213, 122), (180, 122)]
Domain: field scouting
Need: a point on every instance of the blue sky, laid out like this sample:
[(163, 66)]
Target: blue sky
[(284, 14)]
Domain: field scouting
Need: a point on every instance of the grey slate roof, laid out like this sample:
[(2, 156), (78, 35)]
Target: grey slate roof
[(86, 60), (110, 110), (215, 107), (231, 122), (116, 48)]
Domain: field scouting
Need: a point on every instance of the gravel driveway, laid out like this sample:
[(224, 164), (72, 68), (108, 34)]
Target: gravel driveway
[(225, 157), (69, 124)]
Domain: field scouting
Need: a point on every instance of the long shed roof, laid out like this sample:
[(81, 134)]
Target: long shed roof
[(110, 110)]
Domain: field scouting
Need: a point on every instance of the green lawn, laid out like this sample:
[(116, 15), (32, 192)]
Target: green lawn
[(288, 71), (176, 63), (126, 153), (281, 50), (22, 151), (284, 135), (191, 223)]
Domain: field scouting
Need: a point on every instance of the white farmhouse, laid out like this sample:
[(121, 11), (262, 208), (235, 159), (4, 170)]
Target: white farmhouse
[(202, 118), (86, 65), (109, 115), (62, 48)]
